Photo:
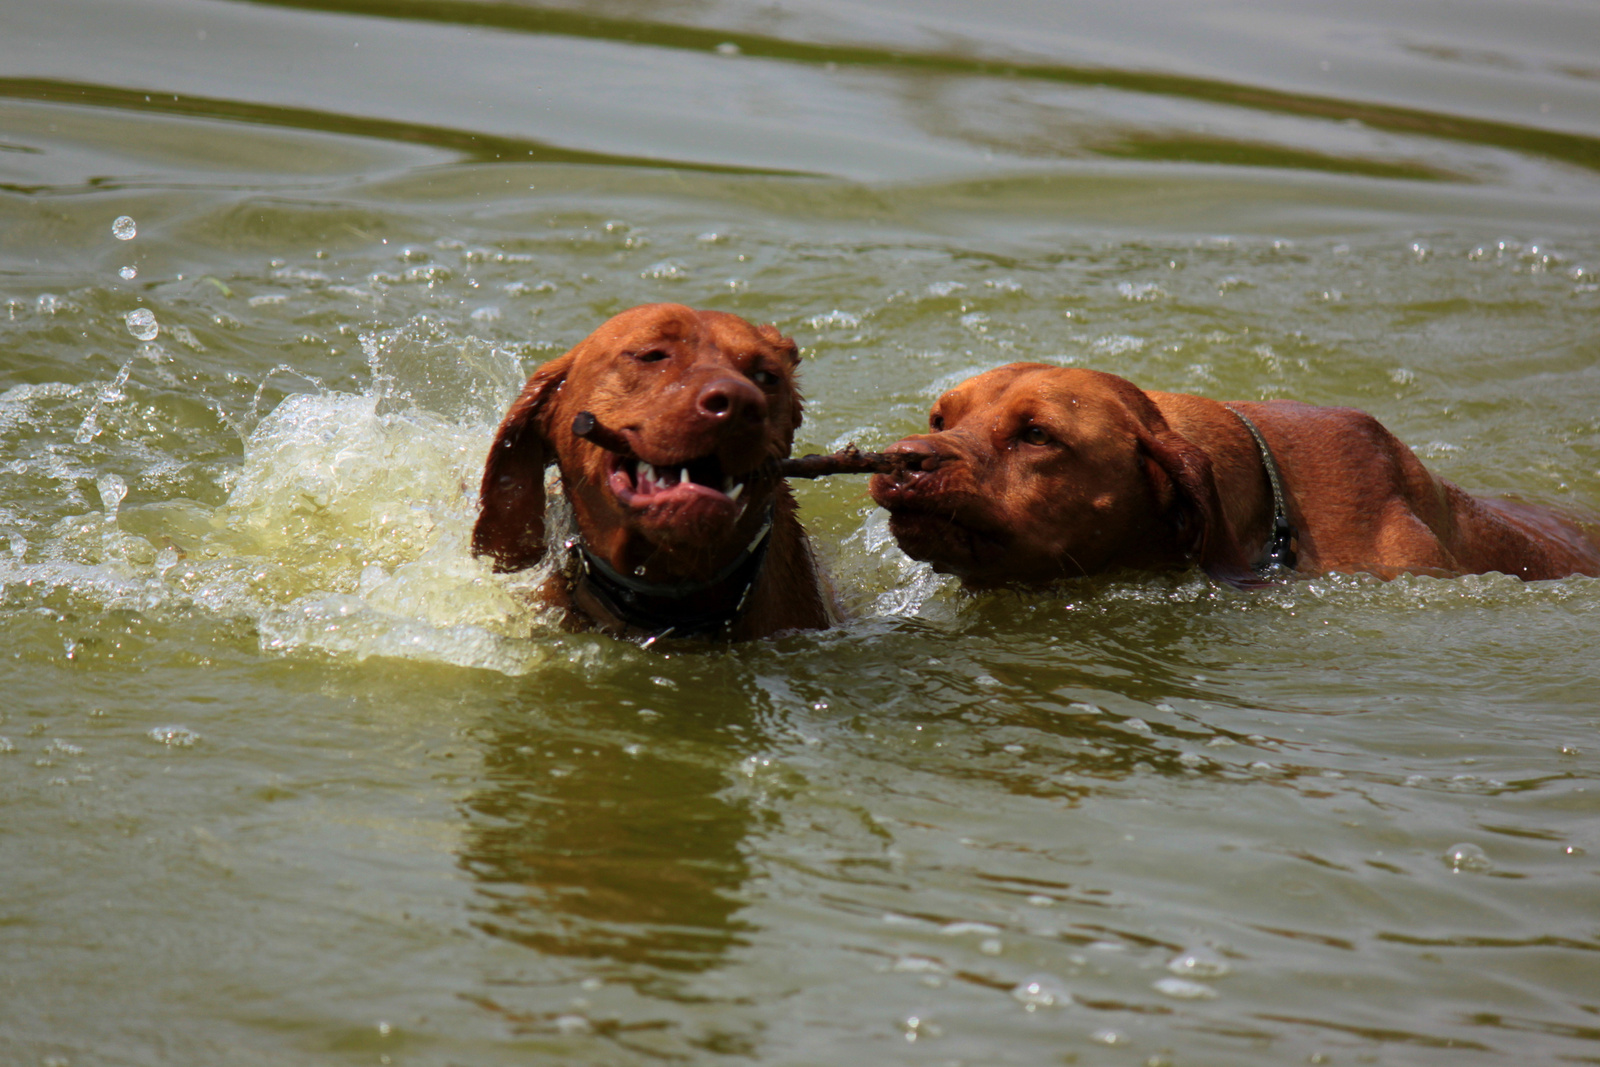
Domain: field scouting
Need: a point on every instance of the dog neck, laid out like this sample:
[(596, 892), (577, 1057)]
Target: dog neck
[(1280, 551), (667, 609)]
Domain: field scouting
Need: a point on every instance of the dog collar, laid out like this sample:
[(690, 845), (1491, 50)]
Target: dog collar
[(658, 608), (1281, 547)]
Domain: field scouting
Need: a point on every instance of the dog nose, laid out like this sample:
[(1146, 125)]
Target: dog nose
[(913, 446), (918, 447), (732, 399), (921, 455)]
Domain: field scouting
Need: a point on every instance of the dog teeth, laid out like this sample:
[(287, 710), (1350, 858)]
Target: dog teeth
[(647, 474), (683, 475), (734, 493)]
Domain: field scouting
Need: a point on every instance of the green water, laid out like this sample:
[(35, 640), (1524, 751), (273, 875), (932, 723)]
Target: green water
[(286, 780)]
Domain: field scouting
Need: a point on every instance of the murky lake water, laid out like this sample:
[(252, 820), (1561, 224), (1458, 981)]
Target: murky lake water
[(286, 781)]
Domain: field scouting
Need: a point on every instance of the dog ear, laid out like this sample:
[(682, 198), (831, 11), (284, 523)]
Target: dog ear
[(1203, 531), (510, 527)]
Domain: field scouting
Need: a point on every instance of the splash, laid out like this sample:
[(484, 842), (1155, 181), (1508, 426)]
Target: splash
[(345, 531)]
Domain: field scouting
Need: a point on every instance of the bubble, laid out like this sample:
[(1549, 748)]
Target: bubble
[(1141, 292), (142, 324), (112, 489), (1198, 963), (1041, 991), (1183, 989), (175, 736), (124, 229), (1467, 857), (129, 273), (917, 965)]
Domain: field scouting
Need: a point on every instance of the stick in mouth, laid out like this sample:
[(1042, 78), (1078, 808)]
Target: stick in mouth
[(849, 460)]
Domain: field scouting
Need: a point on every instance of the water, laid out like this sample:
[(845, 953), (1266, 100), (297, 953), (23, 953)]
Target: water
[(290, 778)]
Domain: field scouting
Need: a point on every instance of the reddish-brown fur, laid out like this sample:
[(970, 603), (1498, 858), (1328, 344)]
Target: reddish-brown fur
[(682, 387), (1049, 472)]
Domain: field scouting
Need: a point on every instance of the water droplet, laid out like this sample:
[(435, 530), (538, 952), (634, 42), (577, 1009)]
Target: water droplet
[(175, 736), (1467, 857), (124, 229), (1183, 989), (1110, 1037), (142, 324), (917, 965), (129, 273), (112, 489), (1198, 963), (1041, 991)]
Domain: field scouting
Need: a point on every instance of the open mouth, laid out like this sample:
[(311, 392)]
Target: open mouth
[(640, 484)]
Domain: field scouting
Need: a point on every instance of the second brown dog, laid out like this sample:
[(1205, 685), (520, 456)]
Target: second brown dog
[(1045, 472)]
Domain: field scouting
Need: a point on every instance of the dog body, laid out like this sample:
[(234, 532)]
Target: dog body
[(1047, 472), (684, 526)]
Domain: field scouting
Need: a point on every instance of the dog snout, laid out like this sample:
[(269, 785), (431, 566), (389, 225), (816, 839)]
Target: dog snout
[(913, 446), (731, 399), (921, 454)]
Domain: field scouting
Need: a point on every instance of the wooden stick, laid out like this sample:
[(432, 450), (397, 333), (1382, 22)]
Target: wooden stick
[(852, 460), (849, 460), (590, 429)]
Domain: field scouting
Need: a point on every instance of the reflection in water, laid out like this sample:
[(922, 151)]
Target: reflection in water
[(592, 847), (1568, 147), (469, 144)]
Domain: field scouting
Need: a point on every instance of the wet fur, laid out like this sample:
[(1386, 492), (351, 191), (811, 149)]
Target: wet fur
[(1148, 480), (680, 385)]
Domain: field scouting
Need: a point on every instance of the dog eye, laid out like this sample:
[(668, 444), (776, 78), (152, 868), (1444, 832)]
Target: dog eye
[(650, 355), (1036, 435), (936, 422), (764, 378)]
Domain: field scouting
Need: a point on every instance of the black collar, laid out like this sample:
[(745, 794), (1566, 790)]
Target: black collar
[(665, 609), (1281, 548)]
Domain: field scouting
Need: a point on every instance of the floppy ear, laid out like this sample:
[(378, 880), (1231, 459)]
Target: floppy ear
[(510, 527), (1204, 533)]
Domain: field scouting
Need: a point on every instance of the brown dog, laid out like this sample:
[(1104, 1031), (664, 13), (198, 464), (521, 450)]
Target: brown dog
[(684, 526), (1045, 472)]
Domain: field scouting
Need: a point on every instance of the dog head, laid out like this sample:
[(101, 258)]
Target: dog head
[(1048, 472), (700, 403)]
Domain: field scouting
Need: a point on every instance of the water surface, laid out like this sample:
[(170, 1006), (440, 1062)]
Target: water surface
[(290, 778)]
